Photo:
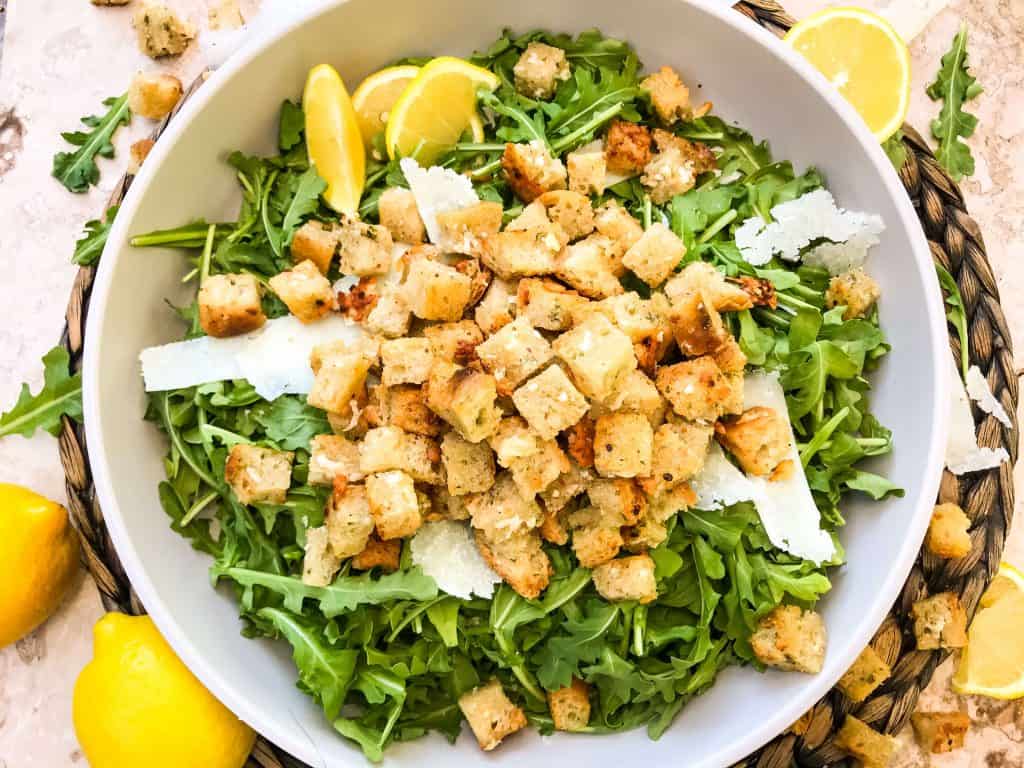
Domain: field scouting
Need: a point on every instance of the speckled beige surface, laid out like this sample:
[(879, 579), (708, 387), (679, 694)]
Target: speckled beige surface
[(63, 56)]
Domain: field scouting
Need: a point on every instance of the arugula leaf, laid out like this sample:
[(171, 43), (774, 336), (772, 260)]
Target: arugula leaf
[(955, 314), (954, 86), (291, 126), (61, 395), (78, 170), (296, 198), (896, 150), (94, 238), (290, 422)]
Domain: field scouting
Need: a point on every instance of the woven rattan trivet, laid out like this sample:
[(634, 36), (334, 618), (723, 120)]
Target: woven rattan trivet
[(986, 497)]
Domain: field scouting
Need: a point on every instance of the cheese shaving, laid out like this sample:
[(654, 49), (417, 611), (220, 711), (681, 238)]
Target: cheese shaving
[(963, 454), (446, 553), (437, 190), (980, 392)]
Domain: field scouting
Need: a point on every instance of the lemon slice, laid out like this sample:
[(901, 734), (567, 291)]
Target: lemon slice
[(333, 140), (864, 58), (436, 108), (375, 97), (992, 664)]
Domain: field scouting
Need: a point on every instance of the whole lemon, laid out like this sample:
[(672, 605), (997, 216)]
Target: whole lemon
[(135, 704), (38, 560)]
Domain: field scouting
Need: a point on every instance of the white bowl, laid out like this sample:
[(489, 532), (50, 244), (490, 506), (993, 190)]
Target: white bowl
[(753, 80)]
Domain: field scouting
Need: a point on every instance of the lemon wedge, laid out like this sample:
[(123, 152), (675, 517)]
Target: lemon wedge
[(333, 138), (992, 664), (436, 108), (864, 57), (375, 97)]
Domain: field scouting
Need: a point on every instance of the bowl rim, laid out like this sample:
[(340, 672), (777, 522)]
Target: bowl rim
[(252, 712)]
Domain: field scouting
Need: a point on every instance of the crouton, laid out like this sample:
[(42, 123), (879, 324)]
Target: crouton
[(534, 473), (623, 445), (622, 230), (948, 535), (645, 535), (729, 357), (406, 361), (332, 457), (533, 216), (570, 706), (435, 291), (552, 528), (519, 560), (655, 255), (258, 475), (357, 301), (513, 439), (939, 732), (319, 564), (790, 638), (337, 381), (698, 390), (421, 459), (701, 277), (697, 156), (696, 324), (598, 355), (502, 511), (463, 230), (867, 673), (469, 467), (393, 504), (522, 252), (596, 539), (587, 267), (531, 170), (490, 714), (627, 147), (667, 175), (305, 291), (678, 454), (316, 242), (389, 316), (871, 748), (579, 439), (759, 290), (670, 502), (550, 403), (618, 500), (856, 290), (448, 507), (637, 318), (367, 347), (137, 154), (465, 398), (496, 308), (940, 621), (398, 213), (229, 305), (405, 407), (627, 578), (569, 210), (513, 354), (547, 304), (540, 69), (587, 170), (479, 279), (153, 94), (636, 393), (363, 249), (455, 342), (669, 96), (759, 438), (348, 519), (382, 449), (379, 554), (567, 487), (160, 31)]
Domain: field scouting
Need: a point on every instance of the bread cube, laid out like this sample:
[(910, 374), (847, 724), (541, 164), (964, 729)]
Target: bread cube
[(531, 170), (701, 277), (860, 741), (366, 347), (940, 621), (669, 96), (305, 291), (540, 69), (393, 504), (596, 538), (137, 154), (698, 390), (623, 445), (939, 732), (435, 291), (637, 318), (161, 32), (513, 440), (405, 407), (480, 278), (697, 157), (587, 170), (398, 212), (627, 578), (759, 438), (332, 457), (448, 507), (598, 355), (465, 398), (729, 357), (790, 638), (513, 354), (497, 308), (319, 564), (533, 474), (570, 706), (533, 216), (337, 381), (421, 459), (315, 241), (855, 290), (668, 175), (348, 519), (670, 502), (382, 449), (153, 94), (621, 229), (258, 475), (569, 210), (406, 361), (867, 673), (469, 467), (547, 304), (455, 342), (229, 305), (679, 453), (567, 487), (501, 511), (522, 252), (379, 554), (363, 249), (621, 501), (579, 441), (655, 255), (490, 714), (463, 230), (587, 266), (519, 559), (636, 393), (389, 316), (948, 535), (627, 147), (696, 324), (550, 403)]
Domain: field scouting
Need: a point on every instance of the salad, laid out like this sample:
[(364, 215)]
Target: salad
[(546, 425)]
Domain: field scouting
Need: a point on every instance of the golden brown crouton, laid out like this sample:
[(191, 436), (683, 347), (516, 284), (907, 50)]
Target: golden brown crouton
[(855, 290), (552, 528), (619, 500), (699, 157), (550, 403), (704, 278), (316, 242), (627, 578), (655, 255), (160, 31), (587, 266), (567, 487), (531, 170), (358, 302), (363, 249), (540, 69), (534, 473), (519, 559), (760, 290), (587, 170), (790, 638), (579, 440), (645, 535), (513, 439), (497, 307), (502, 511), (570, 210), (871, 748), (405, 407), (337, 381), (381, 449), (696, 324), (667, 175), (332, 457), (523, 252), (513, 354), (465, 398), (697, 389), (348, 519), (636, 393), (623, 445), (729, 357), (948, 535), (679, 453), (547, 304), (137, 154), (622, 230), (406, 361), (867, 673), (627, 147), (667, 503), (305, 291), (939, 732), (393, 504), (399, 214), (533, 216), (319, 564), (759, 438), (490, 714), (463, 230), (669, 96), (229, 305), (455, 342), (153, 94), (598, 355), (379, 554), (258, 475), (390, 315), (570, 706), (940, 621), (596, 537), (435, 291), (469, 467)]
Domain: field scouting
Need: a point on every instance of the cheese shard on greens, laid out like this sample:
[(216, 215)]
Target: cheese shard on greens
[(720, 483), (437, 190), (274, 358), (963, 454), (445, 551)]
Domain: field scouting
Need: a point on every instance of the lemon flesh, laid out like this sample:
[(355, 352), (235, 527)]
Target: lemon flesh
[(375, 97), (333, 138)]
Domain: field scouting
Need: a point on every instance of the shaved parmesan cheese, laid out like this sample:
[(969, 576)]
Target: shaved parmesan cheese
[(963, 454), (720, 483), (274, 359), (437, 190), (980, 392), (446, 552)]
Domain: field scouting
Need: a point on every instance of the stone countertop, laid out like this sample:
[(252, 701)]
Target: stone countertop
[(61, 58)]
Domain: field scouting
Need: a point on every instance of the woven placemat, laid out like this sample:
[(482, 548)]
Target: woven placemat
[(986, 497)]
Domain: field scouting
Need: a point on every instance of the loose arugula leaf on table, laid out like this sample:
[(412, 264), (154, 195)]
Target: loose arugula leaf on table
[(60, 395), (955, 313), (94, 238), (78, 170), (954, 86)]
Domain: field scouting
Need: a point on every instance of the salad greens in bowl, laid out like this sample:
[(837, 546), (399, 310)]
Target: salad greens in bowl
[(603, 417)]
